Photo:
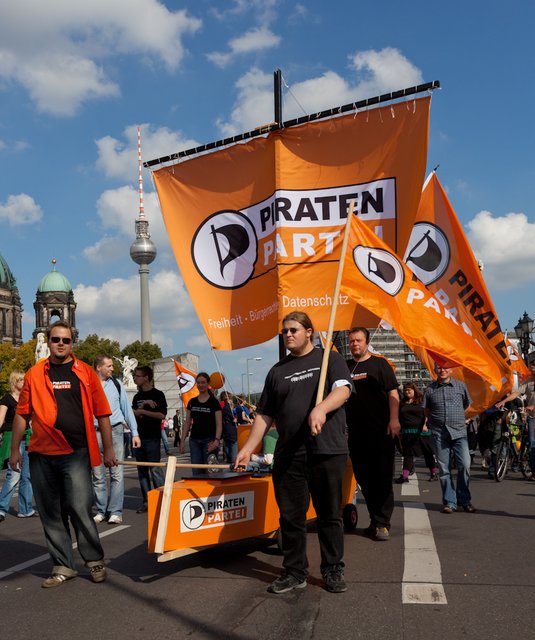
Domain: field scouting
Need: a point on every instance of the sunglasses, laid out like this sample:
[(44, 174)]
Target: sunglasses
[(291, 330), (57, 340)]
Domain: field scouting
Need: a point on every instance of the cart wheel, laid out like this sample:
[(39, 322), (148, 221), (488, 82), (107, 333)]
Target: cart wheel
[(350, 517)]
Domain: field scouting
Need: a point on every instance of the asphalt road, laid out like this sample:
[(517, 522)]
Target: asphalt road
[(486, 567)]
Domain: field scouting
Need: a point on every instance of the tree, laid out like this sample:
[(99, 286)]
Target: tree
[(144, 352), (93, 346), (15, 359)]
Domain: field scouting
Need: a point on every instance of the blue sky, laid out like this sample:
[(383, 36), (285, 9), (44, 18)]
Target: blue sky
[(76, 79)]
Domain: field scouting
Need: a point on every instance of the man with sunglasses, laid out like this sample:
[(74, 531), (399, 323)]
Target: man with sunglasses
[(60, 396), (311, 452)]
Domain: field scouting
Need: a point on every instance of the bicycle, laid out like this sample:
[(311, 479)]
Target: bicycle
[(506, 450), (524, 465)]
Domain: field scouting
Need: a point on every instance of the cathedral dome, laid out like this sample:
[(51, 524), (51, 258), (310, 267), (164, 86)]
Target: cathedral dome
[(54, 281), (7, 280)]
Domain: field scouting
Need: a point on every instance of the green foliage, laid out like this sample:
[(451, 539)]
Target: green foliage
[(93, 346), (15, 359), (144, 352), (23, 357)]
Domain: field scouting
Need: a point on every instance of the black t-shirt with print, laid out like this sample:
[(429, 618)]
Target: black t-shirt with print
[(368, 411), (203, 417), (149, 428), (289, 396), (70, 418)]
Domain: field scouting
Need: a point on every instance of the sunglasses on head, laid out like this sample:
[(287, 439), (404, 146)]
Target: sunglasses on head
[(291, 330), (57, 339)]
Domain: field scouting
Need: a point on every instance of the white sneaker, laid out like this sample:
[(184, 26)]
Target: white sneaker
[(115, 520), (99, 518)]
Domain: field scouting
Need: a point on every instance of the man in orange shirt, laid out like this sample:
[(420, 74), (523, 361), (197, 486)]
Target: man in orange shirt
[(60, 396)]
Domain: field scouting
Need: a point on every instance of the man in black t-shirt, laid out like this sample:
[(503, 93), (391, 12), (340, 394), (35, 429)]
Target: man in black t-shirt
[(150, 408), (310, 455), (373, 425)]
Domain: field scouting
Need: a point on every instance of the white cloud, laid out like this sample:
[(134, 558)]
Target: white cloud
[(118, 209), (20, 209), (113, 308), (58, 50), (258, 39), (2, 144), (376, 72), (506, 245), (106, 250), (118, 159), (385, 70), (264, 11)]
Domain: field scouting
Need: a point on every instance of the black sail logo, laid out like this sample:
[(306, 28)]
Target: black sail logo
[(224, 249), (380, 267), (428, 252), (185, 381), (193, 513), (237, 240)]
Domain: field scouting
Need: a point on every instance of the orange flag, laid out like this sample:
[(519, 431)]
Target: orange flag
[(186, 383), (439, 254), (256, 228), (376, 278)]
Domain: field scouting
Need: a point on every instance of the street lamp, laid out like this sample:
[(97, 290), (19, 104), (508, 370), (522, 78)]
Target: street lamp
[(523, 331), (242, 383), (248, 379)]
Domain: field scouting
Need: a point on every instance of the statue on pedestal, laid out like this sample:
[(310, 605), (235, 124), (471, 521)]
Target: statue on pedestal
[(41, 348), (128, 365)]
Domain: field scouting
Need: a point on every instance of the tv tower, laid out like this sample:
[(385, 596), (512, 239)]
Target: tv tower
[(143, 252)]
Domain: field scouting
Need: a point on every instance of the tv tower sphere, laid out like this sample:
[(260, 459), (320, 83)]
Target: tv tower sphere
[(143, 250)]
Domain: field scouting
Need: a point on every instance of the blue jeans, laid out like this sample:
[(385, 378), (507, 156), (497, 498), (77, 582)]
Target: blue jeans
[(231, 451), (14, 478), (113, 504), (453, 496), (149, 451), (531, 435), (198, 451), (63, 490)]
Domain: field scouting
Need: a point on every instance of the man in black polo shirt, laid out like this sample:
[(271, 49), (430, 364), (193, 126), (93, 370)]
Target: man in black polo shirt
[(445, 402), (150, 408)]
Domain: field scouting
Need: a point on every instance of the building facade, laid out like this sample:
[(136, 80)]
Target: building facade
[(10, 307)]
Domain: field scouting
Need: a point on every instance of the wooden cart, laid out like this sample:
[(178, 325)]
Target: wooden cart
[(199, 512)]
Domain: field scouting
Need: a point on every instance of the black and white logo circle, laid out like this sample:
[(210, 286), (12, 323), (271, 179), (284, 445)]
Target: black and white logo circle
[(225, 249), (428, 252), (193, 514), (380, 267), (186, 381)]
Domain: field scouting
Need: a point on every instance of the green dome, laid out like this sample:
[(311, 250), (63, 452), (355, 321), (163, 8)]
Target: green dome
[(54, 281), (7, 280)]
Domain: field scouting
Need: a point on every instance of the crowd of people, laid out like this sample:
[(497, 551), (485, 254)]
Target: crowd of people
[(66, 426)]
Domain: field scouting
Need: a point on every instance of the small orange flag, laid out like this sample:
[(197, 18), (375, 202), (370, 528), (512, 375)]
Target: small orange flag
[(186, 383)]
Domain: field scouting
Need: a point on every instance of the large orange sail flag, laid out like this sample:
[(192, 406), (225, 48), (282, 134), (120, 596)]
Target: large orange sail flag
[(186, 383), (256, 228), (376, 278), (439, 254)]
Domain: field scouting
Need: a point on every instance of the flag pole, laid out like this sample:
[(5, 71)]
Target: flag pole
[(336, 296)]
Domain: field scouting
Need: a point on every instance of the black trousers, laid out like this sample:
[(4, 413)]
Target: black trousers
[(296, 481), (413, 444), (373, 465)]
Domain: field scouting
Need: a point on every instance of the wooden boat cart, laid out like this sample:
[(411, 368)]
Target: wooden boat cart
[(222, 506)]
